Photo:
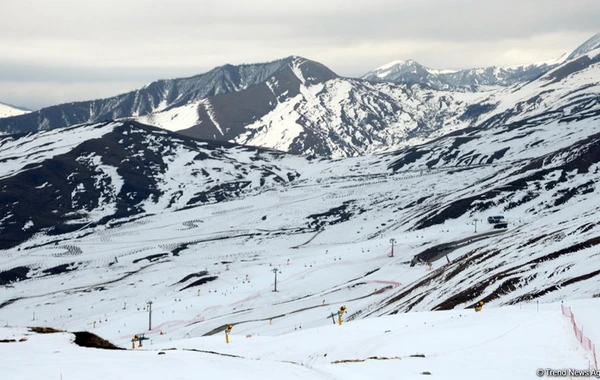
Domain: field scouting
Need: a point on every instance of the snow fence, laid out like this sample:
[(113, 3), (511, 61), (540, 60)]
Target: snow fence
[(584, 340)]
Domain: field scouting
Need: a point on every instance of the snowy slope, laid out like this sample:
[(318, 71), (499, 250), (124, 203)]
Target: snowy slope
[(448, 345), (345, 117), (7, 111), (200, 230), (456, 80), (95, 173), (591, 44)]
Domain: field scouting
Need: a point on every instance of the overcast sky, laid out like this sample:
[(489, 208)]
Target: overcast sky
[(56, 51)]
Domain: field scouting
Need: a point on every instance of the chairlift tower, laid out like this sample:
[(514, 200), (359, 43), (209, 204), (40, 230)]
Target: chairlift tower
[(392, 240), (475, 224)]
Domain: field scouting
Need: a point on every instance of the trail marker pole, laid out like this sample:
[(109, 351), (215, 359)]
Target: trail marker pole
[(275, 285), (149, 315), (392, 240)]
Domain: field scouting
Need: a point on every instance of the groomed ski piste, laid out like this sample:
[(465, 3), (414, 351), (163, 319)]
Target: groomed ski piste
[(513, 342)]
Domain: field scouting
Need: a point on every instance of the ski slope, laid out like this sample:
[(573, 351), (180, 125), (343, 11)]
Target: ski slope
[(495, 344)]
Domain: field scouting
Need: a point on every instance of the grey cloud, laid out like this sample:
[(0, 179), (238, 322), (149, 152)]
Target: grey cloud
[(72, 74), (72, 42)]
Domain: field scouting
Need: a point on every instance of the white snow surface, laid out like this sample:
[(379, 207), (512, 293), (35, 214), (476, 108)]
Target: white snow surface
[(495, 344), (174, 119), (37, 147), (329, 106), (7, 111)]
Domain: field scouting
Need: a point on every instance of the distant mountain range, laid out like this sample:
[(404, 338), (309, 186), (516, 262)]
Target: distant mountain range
[(300, 106), (472, 79), (7, 110), (461, 80)]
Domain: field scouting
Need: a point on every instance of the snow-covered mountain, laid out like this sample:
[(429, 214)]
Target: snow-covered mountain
[(338, 118), (344, 117), (591, 44), (472, 79), (100, 218), (300, 106), (347, 117), (8, 110), (107, 205), (157, 96), (456, 80), (92, 174)]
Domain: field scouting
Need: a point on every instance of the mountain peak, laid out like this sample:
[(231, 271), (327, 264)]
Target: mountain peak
[(398, 63), (7, 110), (586, 47)]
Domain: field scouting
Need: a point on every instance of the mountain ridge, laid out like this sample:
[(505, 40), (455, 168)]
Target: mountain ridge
[(410, 71), (158, 95), (7, 110), (301, 106)]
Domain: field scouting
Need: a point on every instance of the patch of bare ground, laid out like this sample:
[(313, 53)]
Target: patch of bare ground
[(532, 241), (584, 228), (44, 330), (212, 353), (13, 340), (534, 295), (89, 340), (470, 294), (572, 249), (466, 295), (82, 338), (375, 358), (512, 278)]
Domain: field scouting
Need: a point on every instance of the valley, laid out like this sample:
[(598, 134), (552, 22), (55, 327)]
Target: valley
[(338, 225)]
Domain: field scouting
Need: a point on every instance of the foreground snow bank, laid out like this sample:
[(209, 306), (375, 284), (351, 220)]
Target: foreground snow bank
[(497, 343)]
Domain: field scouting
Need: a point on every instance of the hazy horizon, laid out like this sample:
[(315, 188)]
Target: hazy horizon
[(57, 52)]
